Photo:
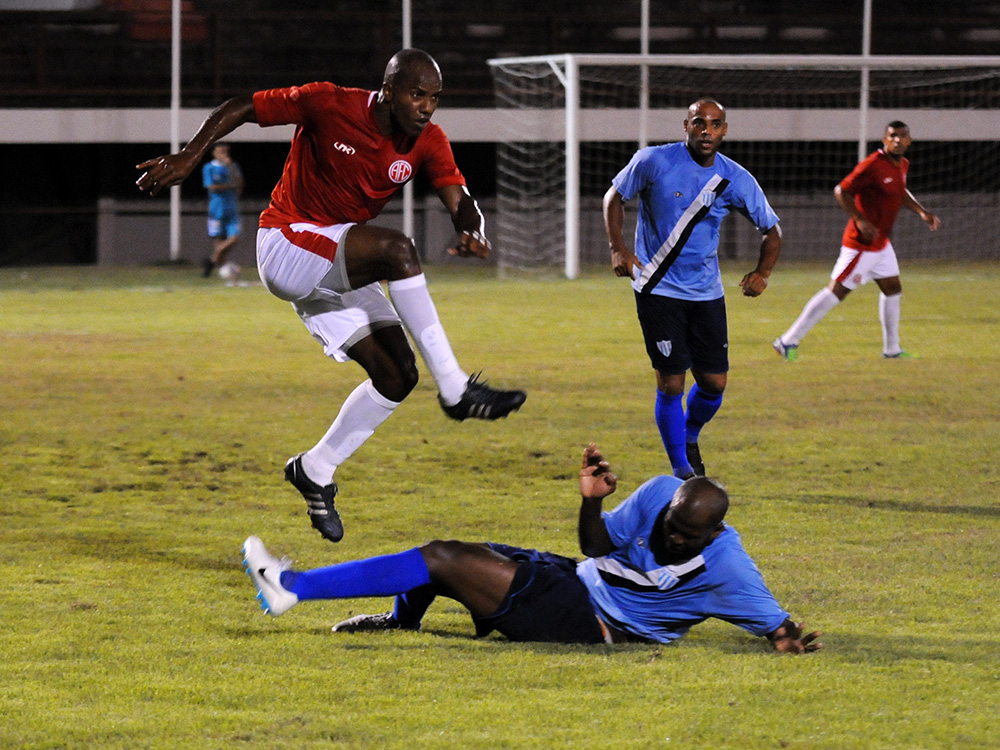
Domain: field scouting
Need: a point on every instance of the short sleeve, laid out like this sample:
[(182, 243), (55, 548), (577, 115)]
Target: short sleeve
[(287, 106), (635, 515), (632, 179), (859, 178)]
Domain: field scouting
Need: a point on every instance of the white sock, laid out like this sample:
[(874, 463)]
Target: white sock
[(816, 308), (363, 411), (888, 315), (413, 302)]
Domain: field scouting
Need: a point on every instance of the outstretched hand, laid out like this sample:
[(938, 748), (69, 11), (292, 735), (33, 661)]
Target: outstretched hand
[(165, 171), (788, 639), (472, 244), (596, 478)]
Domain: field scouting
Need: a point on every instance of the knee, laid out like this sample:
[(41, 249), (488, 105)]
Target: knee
[(395, 382), (400, 254), (440, 554)]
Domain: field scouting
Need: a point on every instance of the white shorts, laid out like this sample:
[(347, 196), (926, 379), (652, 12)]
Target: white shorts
[(336, 315), (856, 267)]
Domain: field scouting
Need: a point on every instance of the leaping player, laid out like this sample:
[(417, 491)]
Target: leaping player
[(352, 150)]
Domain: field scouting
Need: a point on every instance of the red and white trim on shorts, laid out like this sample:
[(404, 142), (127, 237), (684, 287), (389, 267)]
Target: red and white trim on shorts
[(846, 273), (310, 240)]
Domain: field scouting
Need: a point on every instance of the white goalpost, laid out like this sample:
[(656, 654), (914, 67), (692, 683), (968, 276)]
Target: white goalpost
[(798, 123)]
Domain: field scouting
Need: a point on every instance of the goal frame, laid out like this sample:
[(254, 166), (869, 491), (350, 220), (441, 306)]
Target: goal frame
[(575, 128)]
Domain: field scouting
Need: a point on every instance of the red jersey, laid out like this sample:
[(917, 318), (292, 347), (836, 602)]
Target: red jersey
[(340, 168), (878, 185)]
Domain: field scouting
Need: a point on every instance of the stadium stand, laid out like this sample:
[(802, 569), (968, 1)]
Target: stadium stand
[(117, 54)]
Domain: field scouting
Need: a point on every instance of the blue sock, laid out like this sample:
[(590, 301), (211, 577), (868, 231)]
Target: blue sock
[(410, 607), (670, 421), (386, 575), (701, 407)]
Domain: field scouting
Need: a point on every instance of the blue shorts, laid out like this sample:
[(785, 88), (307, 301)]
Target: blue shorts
[(546, 602), (681, 334), (224, 228)]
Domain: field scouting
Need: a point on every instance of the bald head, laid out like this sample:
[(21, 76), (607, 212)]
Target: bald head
[(692, 521), (409, 64), (705, 127), (700, 504), (705, 102)]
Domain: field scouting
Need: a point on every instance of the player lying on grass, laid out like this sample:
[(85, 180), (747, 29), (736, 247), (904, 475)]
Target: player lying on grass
[(660, 562)]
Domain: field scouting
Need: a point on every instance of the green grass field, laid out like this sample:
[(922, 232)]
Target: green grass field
[(147, 414)]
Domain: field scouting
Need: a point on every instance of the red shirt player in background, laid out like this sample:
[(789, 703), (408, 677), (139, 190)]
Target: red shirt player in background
[(352, 150), (871, 195)]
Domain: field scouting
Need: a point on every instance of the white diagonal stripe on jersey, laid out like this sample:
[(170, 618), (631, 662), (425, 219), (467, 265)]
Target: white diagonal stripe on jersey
[(661, 579), (689, 215)]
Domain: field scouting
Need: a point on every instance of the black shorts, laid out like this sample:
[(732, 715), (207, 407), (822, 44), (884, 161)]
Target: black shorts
[(681, 335), (546, 602)]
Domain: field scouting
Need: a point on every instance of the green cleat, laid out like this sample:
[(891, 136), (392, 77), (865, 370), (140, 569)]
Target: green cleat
[(788, 351)]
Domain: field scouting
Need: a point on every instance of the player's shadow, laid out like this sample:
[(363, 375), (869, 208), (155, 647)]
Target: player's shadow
[(974, 511)]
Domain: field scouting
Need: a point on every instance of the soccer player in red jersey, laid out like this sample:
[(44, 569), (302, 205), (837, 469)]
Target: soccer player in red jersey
[(352, 150), (871, 195)]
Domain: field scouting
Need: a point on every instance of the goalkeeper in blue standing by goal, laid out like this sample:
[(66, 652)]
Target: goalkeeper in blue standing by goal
[(685, 190)]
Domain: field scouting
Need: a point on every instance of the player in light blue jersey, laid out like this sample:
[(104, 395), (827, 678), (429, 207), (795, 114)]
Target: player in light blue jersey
[(660, 562), (685, 190), (223, 180)]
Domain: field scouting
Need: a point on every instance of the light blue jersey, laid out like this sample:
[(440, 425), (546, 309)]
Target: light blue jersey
[(222, 204), (681, 206), (635, 594)]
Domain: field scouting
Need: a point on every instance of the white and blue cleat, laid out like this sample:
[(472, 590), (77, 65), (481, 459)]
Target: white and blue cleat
[(265, 571)]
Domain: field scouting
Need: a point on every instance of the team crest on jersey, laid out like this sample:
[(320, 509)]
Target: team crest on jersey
[(343, 147), (707, 198), (400, 171), (664, 347)]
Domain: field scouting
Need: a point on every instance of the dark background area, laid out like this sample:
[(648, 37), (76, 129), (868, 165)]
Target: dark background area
[(117, 55)]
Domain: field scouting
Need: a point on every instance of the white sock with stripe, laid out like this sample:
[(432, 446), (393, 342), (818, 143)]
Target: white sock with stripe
[(888, 315), (815, 310), (363, 411), (413, 302)]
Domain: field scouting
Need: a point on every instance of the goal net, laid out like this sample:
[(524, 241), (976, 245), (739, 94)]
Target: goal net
[(798, 123)]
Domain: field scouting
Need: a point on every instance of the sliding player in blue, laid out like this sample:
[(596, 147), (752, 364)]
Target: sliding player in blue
[(685, 190), (662, 561)]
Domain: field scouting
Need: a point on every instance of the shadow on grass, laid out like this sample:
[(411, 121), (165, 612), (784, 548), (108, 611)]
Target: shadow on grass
[(980, 511), (138, 546), (845, 647)]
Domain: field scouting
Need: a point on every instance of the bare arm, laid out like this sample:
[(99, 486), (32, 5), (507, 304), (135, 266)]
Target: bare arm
[(596, 483), (914, 205), (755, 282), (867, 230), (468, 222), (166, 171), (623, 260)]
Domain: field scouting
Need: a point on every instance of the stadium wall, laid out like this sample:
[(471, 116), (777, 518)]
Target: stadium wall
[(136, 232)]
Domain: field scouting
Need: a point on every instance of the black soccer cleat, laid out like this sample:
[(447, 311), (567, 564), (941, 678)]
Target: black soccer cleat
[(479, 401), (371, 624), (206, 268), (322, 512), (694, 458)]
